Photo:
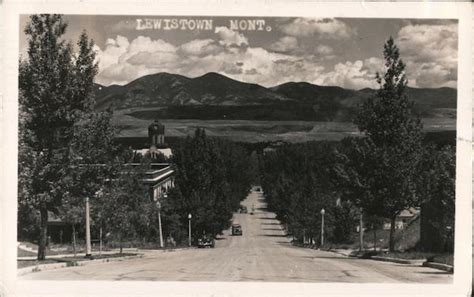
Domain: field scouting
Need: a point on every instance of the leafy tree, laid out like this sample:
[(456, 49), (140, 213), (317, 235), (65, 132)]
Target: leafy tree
[(45, 80), (436, 184), (71, 211), (93, 161), (344, 222), (392, 149), (124, 205), (374, 223), (54, 92)]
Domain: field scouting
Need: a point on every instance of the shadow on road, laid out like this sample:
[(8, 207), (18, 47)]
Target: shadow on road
[(273, 235), (330, 257), (267, 219), (270, 224), (435, 272), (271, 229)]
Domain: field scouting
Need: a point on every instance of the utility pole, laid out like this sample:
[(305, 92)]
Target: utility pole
[(158, 204), (322, 226), (361, 230), (189, 227), (88, 230)]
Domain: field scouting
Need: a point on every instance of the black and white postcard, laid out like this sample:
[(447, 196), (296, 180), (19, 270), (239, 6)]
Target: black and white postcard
[(241, 149)]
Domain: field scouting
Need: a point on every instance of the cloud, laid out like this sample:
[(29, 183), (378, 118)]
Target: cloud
[(373, 65), (141, 44), (230, 38), (324, 28), (430, 53), (231, 68), (200, 47), (324, 50), (352, 75), (114, 48), (122, 61), (285, 44)]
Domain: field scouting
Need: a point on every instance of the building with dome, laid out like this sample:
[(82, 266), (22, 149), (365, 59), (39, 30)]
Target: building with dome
[(156, 142), (159, 178)]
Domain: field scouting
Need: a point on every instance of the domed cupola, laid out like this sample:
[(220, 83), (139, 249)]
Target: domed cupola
[(156, 134)]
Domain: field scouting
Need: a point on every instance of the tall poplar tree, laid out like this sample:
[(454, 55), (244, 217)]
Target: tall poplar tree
[(393, 145)]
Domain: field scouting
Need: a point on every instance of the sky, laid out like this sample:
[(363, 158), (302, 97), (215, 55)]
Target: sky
[(344, 52)]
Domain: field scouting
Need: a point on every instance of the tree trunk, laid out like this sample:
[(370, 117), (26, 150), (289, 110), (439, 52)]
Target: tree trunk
[(361, 230), (43, 234), (391, 243), (100, 241), (74, 239), (120, 243), (375, 238)]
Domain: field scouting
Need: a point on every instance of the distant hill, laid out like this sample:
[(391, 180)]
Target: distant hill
[(164, 89), (328, 98), (214, 96)]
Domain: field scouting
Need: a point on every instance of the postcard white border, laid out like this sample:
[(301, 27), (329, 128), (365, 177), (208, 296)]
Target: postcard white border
[(8, 182)]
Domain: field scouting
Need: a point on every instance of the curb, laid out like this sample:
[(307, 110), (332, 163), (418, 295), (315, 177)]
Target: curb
[(440, 266), (339, 252), (152, 251), (52, 266), (61, 256), (419, 262)]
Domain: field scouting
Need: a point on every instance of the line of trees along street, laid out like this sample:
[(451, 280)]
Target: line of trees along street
[(388, 170), (212, 177), (298, 180)]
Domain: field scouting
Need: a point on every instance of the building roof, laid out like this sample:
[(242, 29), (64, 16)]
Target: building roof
[(165, 151), (409, 213)]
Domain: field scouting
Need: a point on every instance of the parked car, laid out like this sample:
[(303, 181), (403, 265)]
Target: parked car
[(236, 229), (243, 209), (206, 241)]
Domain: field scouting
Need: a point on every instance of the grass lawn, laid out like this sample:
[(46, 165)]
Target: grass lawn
[(23, 253), (431, 257), (407, 255), (443, 259), (28, 263)]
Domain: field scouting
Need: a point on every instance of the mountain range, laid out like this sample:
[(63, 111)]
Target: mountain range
[(215, 96)]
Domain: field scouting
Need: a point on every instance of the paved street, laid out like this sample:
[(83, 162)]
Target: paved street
[(263, 253)]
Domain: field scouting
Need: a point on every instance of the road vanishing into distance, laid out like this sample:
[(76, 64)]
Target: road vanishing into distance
[(262, 253)]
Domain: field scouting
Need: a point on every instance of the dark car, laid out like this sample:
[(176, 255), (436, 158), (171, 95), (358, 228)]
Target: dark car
[(243, 209), (206, 241), (236, 229)]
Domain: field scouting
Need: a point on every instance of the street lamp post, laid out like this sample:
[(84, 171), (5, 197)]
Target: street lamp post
[(88, 230), (322, 226), (189, 226), (158, 204)]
